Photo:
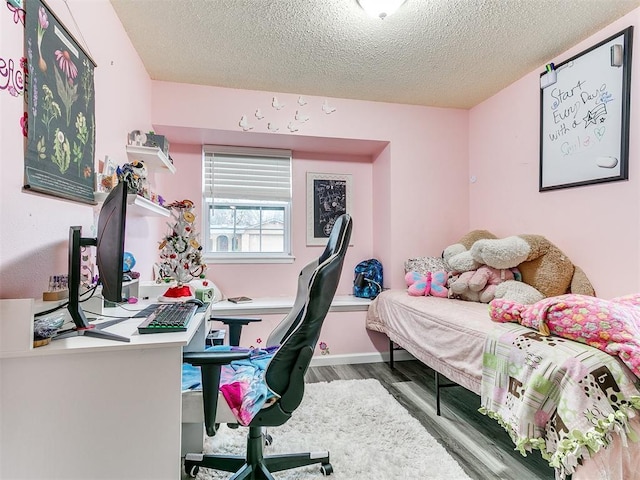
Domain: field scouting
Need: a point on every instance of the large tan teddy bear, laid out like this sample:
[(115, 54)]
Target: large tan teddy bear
[(543, 266)]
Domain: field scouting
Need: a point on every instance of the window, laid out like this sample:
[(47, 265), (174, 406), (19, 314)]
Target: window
[(246, 204), (222, 244)]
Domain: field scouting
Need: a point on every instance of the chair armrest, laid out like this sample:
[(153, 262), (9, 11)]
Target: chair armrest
[(235, 326), (200, 359), (211, 364), (235, 320)]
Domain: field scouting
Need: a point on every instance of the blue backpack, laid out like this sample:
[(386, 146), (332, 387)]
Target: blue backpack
[(368, 279)]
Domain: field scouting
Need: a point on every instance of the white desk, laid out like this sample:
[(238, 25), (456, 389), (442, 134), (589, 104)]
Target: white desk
[(282, 305), (83, 407)]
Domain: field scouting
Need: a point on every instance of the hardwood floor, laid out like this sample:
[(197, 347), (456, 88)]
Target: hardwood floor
[(478, 443)]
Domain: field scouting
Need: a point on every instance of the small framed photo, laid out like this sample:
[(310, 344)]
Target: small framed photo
[(328, 197)]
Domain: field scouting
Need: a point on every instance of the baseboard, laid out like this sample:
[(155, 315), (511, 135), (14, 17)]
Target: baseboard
[(351, 359)]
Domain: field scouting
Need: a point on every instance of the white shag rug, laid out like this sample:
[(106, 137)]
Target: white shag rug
[(368, 434)]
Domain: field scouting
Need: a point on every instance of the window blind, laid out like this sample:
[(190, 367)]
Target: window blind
[(252, 174)]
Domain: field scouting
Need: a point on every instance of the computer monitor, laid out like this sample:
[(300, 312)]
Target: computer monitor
[(110, 243), (109, 258)]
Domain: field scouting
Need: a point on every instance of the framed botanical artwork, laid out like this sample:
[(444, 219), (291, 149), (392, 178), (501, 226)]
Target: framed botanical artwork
[(328, 197), (60, 148)]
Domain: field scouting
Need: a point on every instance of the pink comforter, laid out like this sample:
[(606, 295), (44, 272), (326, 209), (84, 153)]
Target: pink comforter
[(612, 326)]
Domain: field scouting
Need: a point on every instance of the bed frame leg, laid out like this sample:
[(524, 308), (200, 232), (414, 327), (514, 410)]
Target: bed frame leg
[(437, 378), (391, 348), (439, 386)]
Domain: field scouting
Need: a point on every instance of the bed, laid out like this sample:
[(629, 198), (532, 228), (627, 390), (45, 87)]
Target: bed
[(450, 336)]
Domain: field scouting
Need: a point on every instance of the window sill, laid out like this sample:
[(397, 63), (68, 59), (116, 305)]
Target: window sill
[(248, 259)]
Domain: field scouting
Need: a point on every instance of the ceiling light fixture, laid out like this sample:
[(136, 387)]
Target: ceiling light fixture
[(380, 8)]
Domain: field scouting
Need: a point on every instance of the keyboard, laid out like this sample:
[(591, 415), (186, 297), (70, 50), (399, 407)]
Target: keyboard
[(166, 317)]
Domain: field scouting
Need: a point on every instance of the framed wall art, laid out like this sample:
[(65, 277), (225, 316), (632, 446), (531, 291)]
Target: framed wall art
[(584, 116), (60, 148), (328, 197)]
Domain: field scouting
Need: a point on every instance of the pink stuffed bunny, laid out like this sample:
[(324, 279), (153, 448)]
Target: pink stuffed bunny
[(479, 285), (485, 280), (459, 287)]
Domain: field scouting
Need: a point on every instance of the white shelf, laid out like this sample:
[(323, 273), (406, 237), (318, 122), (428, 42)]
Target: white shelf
[(137, 205), (156, 162), (154, 158), (140, 206)]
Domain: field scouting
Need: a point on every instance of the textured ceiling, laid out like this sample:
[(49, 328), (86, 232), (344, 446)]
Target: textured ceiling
[(447, 53)]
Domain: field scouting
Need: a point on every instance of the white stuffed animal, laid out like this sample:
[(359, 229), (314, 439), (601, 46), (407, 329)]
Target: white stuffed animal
[(458, 256)]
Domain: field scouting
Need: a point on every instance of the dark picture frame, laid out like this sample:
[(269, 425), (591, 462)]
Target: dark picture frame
[(584, 116), (60, 104), (328, 197)]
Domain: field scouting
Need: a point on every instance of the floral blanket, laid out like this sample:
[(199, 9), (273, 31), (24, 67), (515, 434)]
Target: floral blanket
[(612, 326), (241, 382), (564, 398)]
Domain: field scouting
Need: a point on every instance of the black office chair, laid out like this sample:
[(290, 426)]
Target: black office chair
[(297, 336)]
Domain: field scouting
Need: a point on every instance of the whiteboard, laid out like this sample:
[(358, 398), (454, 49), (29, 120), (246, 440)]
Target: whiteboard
[(584, 116)]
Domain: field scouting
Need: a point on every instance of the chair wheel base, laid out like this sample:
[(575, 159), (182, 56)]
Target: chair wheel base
[(191, 470), (326, 469)]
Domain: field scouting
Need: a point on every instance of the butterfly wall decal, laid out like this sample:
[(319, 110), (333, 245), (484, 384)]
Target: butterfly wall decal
[(16, 7), (301, 118), (328, 109), (244, 124), (276, 104)]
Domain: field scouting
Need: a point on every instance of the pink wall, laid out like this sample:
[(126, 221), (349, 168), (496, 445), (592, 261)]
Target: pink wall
[(418, 154), (597, 226), (35, 229), (277, 279), (409, 167), (343, 333)]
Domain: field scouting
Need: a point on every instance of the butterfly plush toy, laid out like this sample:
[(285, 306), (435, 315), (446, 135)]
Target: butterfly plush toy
[(431, 283)]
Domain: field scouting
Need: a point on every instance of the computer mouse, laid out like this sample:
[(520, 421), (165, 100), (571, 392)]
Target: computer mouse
[(197, 301)]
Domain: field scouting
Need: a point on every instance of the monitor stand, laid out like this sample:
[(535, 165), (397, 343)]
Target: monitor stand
[(95, 330)]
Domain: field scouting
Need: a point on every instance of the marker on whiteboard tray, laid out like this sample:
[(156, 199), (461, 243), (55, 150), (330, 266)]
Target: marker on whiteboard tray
[(549, 77)]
